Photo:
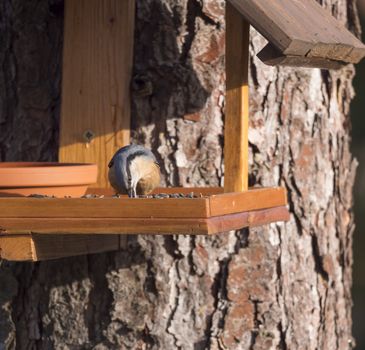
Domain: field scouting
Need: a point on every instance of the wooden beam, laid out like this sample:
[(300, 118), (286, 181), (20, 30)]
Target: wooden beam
[(247, 219), (254, 199), (60, 246), (16, 248), (103, 207), (103, 227), (97, 66), (237, 102), (33, 247)]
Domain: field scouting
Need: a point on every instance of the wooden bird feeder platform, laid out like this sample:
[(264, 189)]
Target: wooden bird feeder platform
[(95, 122), (32, 223)]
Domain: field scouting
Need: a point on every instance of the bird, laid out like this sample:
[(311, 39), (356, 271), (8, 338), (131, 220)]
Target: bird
[(134, 170)]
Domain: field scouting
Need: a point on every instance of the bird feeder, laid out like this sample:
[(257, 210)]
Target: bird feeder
[(95, 122)]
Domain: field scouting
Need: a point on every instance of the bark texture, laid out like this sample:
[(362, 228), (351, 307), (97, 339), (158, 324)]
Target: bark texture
[(280, 286)]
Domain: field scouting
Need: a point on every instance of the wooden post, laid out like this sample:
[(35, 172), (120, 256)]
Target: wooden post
[(237, 102), (95, 108), (97, 66)]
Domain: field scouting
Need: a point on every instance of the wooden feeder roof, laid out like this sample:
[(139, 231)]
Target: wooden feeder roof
[(301, 33)]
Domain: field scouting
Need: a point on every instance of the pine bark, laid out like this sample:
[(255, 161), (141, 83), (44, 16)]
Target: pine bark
[(279, 286)]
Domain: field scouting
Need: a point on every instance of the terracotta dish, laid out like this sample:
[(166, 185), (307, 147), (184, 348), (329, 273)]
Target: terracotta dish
[(51, 179)]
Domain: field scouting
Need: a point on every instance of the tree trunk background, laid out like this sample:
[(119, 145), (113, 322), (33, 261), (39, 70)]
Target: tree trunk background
[(279, 286)]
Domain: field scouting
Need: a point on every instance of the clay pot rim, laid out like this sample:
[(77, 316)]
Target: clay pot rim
[(43, 165), (46, 174)]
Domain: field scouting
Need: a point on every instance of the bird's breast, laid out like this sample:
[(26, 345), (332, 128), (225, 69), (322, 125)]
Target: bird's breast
[(150, 178)]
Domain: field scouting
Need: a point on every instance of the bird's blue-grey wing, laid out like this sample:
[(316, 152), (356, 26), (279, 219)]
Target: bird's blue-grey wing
[(117, 174)]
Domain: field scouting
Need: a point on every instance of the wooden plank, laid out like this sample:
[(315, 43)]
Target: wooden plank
[(97, 66), (103, 207), (16, 248), (103, 226), (254, 199), (62, 246), (272, 57), (247, 219), (64, 228), (41, 247), (302, 28), (237, 102)]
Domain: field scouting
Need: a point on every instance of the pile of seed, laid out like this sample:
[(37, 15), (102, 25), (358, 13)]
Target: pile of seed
[(91, 195), (156, 196), (167, 195), (46, 196), (173, 195), (40, 196)]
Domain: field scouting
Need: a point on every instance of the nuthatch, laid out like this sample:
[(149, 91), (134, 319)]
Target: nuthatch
[(134, 170)]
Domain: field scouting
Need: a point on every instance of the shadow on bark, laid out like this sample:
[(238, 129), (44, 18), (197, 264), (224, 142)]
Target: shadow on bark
[(165, 84)]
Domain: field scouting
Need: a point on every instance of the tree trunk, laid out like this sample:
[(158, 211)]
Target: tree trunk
[(279, 286)]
